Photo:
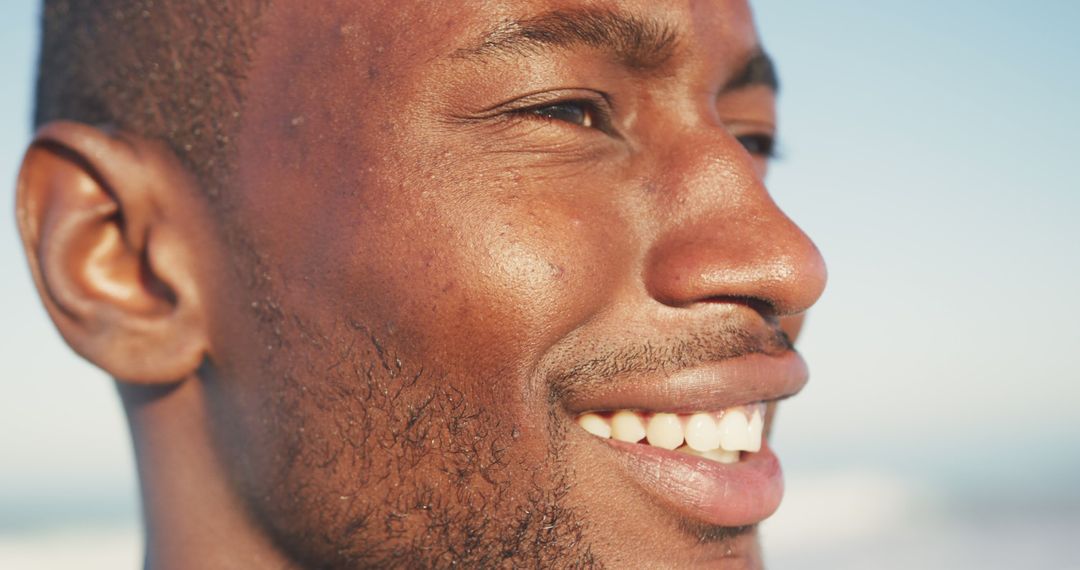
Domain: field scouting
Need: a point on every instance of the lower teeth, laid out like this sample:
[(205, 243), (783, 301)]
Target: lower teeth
[(718, 455)]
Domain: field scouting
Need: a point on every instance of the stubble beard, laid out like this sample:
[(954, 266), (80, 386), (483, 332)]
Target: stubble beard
[(351, 456)]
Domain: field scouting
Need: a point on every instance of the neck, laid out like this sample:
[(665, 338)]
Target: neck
[(193, 517)]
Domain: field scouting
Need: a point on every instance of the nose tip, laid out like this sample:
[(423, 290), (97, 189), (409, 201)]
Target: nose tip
[(770, 262), (727, 240)]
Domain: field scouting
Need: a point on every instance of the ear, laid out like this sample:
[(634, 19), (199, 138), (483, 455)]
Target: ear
[(107, 223)]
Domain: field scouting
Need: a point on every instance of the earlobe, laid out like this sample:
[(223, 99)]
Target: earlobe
[(109, 253)]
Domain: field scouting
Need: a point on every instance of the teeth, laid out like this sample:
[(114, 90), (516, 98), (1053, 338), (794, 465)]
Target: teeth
[(757, 425), (735, 431), (701, 432), (595, 425), (717, 436), (720, 455), (627, 426), (665, 430)]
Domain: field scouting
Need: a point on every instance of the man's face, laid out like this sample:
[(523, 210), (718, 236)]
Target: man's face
[(465, 226)]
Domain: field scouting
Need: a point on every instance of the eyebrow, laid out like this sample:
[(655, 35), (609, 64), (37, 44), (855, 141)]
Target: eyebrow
[(758, 69), (637, 43)]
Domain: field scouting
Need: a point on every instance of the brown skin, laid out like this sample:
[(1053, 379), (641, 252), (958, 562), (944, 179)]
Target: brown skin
[(349, 362)]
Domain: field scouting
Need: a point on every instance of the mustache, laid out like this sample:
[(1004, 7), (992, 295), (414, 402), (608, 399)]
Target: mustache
[(669, 355)]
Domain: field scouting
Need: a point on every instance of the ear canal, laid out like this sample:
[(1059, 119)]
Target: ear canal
[(103, 254)]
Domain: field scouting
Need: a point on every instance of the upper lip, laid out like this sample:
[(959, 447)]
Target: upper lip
[(715, 385)]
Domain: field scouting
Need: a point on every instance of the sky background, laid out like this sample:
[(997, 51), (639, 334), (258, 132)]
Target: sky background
[(928, 146)]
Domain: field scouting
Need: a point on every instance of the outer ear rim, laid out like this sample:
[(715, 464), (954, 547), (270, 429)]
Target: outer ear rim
[(134, 178)]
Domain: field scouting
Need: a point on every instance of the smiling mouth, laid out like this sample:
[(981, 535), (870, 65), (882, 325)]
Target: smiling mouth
[(724, 436), (694, 439)]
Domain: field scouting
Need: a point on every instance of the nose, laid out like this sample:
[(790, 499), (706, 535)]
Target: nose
[(721, 237)]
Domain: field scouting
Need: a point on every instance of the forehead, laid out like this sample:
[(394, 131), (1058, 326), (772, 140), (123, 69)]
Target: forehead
[(412, 35)]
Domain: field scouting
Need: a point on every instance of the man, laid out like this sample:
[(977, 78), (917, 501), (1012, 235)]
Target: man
[(412, 284)]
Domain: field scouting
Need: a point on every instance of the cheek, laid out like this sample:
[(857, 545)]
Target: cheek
[(477, 287), (488, 288), (552, 265)]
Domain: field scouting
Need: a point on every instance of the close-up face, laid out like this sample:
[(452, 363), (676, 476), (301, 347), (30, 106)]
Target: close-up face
[(513, 284), (474, 239)]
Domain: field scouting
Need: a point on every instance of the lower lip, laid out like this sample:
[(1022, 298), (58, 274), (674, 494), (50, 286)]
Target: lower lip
[(736, 494)]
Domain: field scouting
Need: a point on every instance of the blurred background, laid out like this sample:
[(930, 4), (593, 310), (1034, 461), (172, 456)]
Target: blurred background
[(928, 146)]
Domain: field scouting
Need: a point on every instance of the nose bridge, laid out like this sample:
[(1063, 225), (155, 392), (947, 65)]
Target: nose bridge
[(721, 236)]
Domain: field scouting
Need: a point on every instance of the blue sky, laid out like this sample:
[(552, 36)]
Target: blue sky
[(928, 147), (930, 154)]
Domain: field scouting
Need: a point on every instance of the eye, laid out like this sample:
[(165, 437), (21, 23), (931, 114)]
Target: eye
[(760, 144), (580, 113)]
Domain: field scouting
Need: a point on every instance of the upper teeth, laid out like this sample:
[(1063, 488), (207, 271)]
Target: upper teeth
[(719, 436)]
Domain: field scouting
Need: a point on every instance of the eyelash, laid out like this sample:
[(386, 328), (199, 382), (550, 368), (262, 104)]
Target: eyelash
[(596, 115), (758, 144)]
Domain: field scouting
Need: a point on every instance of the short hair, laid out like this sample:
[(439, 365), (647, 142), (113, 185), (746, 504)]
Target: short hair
[(169, 70)]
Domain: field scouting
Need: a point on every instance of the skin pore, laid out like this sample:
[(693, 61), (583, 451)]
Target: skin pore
[(445, 229)]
